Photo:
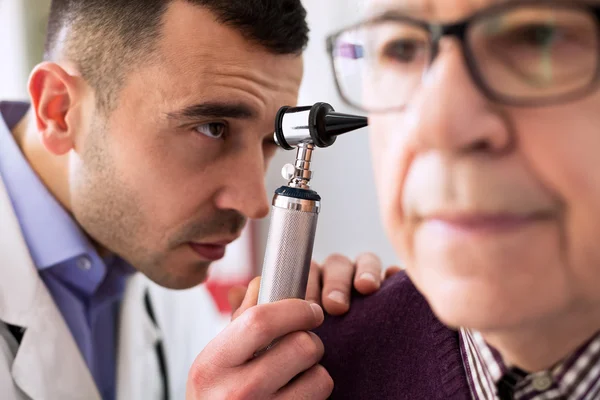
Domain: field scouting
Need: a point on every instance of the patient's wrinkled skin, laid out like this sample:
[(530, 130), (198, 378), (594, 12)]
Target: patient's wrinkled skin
[(494, 209)]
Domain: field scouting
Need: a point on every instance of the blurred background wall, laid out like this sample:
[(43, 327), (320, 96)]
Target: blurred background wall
[(22, 28), (349, 221)]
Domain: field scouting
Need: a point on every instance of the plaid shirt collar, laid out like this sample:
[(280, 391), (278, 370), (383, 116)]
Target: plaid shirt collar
[(575, 378)]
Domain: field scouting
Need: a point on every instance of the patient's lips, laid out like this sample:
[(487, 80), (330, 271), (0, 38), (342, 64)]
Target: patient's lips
[(481, 223)]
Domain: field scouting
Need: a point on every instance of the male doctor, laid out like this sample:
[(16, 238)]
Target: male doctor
[(144, 149)]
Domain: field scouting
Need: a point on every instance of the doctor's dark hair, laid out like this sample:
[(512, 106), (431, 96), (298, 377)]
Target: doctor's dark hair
[(106, 38)]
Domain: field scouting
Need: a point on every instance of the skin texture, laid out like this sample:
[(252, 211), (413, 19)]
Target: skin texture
[(146, 180), (532, 289)]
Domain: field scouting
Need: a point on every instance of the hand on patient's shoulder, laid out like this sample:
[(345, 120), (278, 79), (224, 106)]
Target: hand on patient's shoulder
[(331, 283)]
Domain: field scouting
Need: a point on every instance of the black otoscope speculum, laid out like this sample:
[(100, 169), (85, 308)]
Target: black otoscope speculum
[(318, 125)]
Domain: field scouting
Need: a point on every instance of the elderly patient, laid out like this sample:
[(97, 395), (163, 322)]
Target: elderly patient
[(485, 131)]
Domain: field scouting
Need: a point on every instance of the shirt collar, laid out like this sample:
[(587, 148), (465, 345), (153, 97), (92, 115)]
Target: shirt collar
[(51, 234), (577, 377)]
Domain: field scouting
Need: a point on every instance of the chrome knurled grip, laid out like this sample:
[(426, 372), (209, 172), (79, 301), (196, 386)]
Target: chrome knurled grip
[(292, 229), (289, 249)]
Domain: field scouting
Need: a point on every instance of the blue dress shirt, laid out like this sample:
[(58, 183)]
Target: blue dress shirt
[(86, 288)]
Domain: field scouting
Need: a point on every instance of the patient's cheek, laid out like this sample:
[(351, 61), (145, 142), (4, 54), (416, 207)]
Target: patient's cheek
[(389, 155)]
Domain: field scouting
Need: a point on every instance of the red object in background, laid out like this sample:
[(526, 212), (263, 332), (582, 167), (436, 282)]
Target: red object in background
[(238, 267), (219, 291)]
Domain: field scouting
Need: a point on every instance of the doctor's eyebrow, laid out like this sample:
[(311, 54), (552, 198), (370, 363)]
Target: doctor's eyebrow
[(214, 110)]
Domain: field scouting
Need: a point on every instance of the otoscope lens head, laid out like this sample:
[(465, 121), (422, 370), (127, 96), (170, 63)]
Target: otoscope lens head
[(318, 125)]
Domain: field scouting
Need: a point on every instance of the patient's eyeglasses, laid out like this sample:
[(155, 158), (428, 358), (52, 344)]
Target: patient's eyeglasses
[(526, 53)]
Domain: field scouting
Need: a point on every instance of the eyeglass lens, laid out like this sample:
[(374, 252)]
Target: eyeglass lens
[(522, 54)]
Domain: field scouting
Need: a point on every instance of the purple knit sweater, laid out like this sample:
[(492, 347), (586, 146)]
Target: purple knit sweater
[(391, 346)]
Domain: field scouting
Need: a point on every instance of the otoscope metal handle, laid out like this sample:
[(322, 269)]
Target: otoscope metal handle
[(289, 246)]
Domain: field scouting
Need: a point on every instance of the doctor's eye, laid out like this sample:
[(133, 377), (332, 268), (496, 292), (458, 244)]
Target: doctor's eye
[(213, 130)]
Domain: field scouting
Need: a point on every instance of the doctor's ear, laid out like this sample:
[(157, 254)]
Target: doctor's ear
[(55, 96)]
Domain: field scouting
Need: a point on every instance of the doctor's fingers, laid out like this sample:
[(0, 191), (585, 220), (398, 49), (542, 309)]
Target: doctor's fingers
[(314, 384), (313, 289), (249, 299), (235, 297), (256, 328), (391, 271), (367, 278), (275, 368), (338, 275)]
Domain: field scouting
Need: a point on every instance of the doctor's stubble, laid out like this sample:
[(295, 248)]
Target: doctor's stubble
[(111, 213)]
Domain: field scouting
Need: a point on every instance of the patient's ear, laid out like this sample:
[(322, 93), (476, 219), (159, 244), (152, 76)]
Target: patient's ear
[(55, 95)]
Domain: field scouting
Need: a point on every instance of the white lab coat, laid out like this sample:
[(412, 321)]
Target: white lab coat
[(47, 365)]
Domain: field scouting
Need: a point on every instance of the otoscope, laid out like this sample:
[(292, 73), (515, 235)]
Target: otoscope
[(295, 208)]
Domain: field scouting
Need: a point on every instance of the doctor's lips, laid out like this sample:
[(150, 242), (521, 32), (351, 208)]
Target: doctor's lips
[(211, 251)]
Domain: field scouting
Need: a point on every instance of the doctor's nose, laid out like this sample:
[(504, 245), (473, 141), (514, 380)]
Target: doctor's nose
[(243, 188)]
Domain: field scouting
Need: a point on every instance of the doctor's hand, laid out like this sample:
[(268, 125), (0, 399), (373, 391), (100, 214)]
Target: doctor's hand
[(330, 284), (227, 368)]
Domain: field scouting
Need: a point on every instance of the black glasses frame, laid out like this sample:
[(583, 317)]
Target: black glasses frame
[(460, 30)]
